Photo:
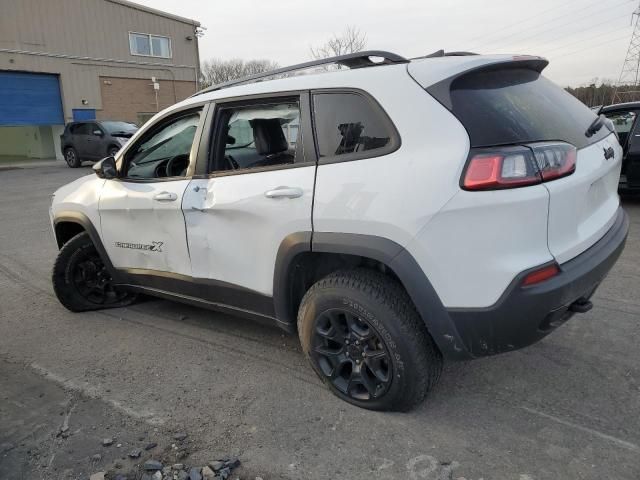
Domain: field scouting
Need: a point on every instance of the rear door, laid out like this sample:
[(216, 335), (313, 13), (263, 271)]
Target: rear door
[(257, 190), (513, 104)]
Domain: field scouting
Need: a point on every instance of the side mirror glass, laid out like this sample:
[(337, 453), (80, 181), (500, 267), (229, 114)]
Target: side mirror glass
[(106, 168)]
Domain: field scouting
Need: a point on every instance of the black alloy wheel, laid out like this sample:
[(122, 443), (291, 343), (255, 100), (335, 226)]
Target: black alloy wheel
[(366, 341), (93, 282), (81, 280), (351, 354)]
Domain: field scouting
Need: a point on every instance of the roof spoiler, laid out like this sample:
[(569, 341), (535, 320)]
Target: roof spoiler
[(442, 53), (441, 90)]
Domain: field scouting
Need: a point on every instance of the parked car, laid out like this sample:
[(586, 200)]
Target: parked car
[(624, 117), (94, 140), (448, 207)]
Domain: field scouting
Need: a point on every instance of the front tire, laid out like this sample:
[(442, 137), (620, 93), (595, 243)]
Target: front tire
[(112, 152), (366, 341), (81, 281), (71, 157)]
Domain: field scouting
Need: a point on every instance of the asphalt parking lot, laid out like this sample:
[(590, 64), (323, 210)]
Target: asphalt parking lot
[(567, 407)]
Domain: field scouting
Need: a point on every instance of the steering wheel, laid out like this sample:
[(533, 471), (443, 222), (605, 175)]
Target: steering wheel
[(171, 164), (232, 162)]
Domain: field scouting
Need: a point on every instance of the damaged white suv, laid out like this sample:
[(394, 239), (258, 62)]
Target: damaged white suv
[(395, 213)]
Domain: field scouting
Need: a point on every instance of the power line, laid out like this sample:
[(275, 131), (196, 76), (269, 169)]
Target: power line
[(573, 21), (583, 40), (595, 46), (526, 20), (583, 29)]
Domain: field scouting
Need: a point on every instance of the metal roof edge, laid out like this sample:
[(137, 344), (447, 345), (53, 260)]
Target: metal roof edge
[(142, 8)]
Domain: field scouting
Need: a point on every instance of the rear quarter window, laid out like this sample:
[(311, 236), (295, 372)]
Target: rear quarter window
[(511, 106), (350, 126)]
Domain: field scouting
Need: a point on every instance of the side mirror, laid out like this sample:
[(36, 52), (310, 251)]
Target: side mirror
[(98, 133), (106, 168)]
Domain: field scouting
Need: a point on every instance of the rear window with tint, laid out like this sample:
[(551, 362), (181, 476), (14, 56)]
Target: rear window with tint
[(350, 126), (511, 106)]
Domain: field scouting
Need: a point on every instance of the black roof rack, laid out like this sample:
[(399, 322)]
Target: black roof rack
[(351, 60), (442, 53)]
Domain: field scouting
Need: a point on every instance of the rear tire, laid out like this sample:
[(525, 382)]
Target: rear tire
[(81, 281), (366, 341), (71, 157), (112, 152)]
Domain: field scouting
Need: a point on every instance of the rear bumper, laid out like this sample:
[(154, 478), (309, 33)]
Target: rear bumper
[(524, 315)]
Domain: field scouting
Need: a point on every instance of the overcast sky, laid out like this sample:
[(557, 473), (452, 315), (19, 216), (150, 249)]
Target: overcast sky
[(583, 39)]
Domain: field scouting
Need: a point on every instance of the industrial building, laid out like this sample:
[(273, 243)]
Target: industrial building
[(87, 59)]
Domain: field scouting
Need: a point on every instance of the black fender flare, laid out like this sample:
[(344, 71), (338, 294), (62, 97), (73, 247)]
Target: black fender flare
[(84, 221), (397, 258)]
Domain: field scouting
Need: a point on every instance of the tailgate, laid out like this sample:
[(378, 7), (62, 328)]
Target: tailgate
[(582, 206)]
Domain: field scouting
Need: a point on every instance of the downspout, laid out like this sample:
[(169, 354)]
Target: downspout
[(197, 67)]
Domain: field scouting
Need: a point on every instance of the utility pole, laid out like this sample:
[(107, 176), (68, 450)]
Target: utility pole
[(628, 86)]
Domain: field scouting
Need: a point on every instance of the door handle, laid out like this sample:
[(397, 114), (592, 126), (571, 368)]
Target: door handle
[(284, 192), (166, 197)]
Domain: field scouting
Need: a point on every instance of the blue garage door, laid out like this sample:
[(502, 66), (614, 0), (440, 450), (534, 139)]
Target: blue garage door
[(30, 99), (83, 114)]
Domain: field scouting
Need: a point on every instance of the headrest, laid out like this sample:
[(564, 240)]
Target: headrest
[(268, 136)]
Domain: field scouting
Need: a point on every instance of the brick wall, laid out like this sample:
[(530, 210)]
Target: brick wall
[(127, 98)]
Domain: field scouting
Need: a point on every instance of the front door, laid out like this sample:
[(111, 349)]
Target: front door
[(95, 141), (143, 228), (81, 132), (628, 130), (258, 190), (631, 162)]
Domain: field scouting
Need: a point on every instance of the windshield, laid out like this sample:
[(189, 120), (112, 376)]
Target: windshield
[(118, 127)]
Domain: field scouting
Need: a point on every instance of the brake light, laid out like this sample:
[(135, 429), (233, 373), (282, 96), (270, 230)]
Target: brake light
[(510, 167), (540, 275), (555, 160), (491, 172)]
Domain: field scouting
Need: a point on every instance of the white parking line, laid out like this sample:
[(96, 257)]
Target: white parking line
[(622, 443)]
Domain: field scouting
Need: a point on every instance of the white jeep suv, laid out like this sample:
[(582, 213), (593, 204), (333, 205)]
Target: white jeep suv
[(395, 213)]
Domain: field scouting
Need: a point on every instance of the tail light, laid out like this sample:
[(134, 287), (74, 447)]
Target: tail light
[(510, 167)]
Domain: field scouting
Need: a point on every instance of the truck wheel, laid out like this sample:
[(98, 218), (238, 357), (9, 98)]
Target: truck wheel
[(81, 281), (71, 157), (366, 341)]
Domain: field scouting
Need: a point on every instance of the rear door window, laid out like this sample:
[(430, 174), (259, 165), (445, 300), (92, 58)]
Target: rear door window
[(350, 126), (517, 105), (258, 136)]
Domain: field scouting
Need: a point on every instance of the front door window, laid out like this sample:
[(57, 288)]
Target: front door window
[(165, 151)]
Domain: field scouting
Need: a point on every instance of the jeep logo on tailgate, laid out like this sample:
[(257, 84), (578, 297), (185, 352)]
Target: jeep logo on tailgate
[(609, 153)]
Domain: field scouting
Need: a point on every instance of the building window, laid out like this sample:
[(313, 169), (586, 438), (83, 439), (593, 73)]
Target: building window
[(149, 45)]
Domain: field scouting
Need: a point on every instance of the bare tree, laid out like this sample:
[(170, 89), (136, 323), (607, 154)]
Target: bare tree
[(352, 40), (217, 71)]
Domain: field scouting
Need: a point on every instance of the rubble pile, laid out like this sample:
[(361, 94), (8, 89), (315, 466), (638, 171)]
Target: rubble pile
[(216, 470), (168, 465)]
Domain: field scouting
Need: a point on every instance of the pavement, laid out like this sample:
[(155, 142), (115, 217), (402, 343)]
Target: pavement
[(8, 162), (565, 408)]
